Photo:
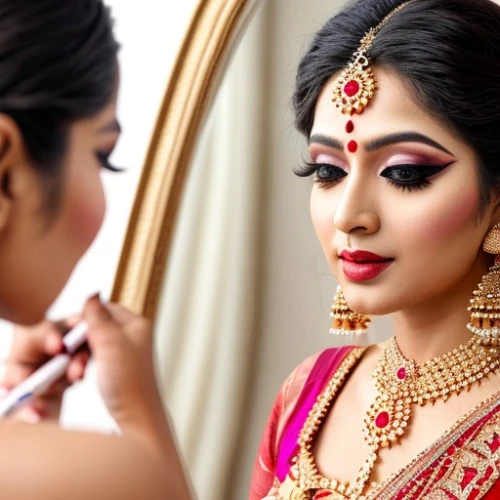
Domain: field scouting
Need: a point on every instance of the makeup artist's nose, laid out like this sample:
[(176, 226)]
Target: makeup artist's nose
[(355, 212)]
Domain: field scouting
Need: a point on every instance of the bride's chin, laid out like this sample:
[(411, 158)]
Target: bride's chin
[(369, 303)]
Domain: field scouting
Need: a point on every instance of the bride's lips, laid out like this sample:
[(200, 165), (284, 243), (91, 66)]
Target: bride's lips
[(359, 265)]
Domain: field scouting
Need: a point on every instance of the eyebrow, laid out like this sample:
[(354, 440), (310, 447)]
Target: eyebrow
[(112, 126), (381, 142)]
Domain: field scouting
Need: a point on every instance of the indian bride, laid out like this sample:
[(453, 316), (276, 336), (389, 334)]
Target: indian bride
[(400, 105)]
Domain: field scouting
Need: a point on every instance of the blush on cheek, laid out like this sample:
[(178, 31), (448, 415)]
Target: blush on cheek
[(84, 219), (453, 214)]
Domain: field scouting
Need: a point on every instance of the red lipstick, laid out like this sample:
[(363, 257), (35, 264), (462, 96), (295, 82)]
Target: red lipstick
[(360, 265)]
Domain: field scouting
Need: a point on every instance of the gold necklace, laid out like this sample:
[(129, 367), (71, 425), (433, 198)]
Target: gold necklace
[(401, 384)]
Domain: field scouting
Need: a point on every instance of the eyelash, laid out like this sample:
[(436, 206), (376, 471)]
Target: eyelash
[(104, 161), (421, 172)]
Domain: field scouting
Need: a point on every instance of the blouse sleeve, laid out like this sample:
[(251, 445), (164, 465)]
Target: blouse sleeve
[(263, 476)]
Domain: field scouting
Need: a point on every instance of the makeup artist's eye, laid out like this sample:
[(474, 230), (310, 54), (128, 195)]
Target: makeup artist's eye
[(411, 177), (326, 175), (104, 161)]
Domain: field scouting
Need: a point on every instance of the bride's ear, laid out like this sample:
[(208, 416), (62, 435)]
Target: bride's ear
[(15, 174)]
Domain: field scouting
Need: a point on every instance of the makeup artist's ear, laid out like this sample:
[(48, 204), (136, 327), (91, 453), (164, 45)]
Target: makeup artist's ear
[(12, 156)]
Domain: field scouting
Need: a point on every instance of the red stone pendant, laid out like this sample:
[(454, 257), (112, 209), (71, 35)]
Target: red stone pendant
[(401, 373), (351, 88), (382, 420)]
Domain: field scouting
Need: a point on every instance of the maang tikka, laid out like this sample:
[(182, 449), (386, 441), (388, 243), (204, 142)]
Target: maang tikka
[(485, 303), (354, 88)]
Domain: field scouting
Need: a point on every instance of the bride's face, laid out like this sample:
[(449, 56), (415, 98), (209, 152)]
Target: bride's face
[(398, 184)]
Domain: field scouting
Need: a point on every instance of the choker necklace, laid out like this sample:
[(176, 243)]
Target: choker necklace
[(401, 385)]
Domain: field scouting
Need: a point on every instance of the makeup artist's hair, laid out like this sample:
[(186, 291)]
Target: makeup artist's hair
[(57, 65), (447, 51)]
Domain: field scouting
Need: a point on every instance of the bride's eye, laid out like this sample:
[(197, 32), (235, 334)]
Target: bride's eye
[(411, 177), (325, 174)]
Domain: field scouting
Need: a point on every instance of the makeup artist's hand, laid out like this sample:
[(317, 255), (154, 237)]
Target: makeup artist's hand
[(31, 347), (121, 346)]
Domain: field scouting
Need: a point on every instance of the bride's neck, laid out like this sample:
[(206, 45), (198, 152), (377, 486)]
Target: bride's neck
[(439, 325)]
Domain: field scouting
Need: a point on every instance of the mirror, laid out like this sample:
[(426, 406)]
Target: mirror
[(143, 80), (220, 249)]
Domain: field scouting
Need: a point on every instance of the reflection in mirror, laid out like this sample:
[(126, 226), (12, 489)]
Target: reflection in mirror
[(248, 292)]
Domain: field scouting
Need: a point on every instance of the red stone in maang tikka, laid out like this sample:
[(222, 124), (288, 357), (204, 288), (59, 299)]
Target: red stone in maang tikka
[(355, 87)]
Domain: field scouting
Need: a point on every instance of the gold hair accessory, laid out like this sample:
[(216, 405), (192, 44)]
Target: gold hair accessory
[(485, 304), (401, 384), (345, 320), (354, 88)]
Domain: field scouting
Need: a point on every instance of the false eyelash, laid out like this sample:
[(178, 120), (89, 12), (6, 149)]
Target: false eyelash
[(104, 160), (309, 169), (417, 186), (306, 170)]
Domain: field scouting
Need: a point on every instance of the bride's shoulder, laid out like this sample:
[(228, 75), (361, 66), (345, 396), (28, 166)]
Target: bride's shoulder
[(320, 365)]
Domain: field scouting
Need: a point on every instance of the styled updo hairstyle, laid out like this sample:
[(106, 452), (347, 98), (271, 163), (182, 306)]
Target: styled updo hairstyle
[(448, 53), (57, 65)]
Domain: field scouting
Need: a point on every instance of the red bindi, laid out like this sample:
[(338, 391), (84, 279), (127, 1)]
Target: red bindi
[(352, 147), (349, 128)]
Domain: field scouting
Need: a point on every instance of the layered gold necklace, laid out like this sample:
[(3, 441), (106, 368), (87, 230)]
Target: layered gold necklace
[(401, 385)]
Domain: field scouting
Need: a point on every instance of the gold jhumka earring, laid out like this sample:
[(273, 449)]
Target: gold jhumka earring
[(485, 304), (345, 320)]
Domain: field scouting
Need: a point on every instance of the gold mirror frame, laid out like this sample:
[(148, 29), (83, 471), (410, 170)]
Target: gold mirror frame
[(212, 34)]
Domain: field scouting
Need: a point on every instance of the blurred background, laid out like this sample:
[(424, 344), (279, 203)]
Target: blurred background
[(247, 292)]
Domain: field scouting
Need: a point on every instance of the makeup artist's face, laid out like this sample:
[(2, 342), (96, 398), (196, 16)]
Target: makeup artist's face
[(409, 194), (39, 249)]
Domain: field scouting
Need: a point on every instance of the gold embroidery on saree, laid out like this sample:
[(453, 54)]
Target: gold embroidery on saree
[(474, 468)]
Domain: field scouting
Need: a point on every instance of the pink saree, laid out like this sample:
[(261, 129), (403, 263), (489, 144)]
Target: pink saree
[(464, 464)]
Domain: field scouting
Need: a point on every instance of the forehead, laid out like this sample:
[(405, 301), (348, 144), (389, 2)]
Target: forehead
[(391, 110)]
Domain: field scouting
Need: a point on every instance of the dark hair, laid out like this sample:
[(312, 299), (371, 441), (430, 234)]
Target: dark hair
[(448, 52), (57, 65)]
